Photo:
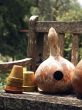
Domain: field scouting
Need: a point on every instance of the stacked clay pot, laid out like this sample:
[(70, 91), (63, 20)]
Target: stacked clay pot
[(54, 74), (29, 84), (15, 80), (77, 79)]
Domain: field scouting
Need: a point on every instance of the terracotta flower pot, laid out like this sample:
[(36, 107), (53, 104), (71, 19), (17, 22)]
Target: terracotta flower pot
[(29, 84), (17, 72), (54, 74), (12, 89), (14, 81), (29, 88)]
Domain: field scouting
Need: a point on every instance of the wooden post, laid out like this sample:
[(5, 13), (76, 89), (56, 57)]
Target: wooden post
[(46, 48), (31, 51), (61, 43), (75, 48)]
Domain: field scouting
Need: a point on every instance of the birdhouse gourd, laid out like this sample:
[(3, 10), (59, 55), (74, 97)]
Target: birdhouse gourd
[(54, 74), (77, 78)]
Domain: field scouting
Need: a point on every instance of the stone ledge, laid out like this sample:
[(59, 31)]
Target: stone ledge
[(38, 101)]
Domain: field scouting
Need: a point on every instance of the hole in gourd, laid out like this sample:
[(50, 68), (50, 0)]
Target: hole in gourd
[(58, 75)]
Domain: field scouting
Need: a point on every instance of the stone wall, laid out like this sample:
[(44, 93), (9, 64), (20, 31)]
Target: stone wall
[(39, 101)]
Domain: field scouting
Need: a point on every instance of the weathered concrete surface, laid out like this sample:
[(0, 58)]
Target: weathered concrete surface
[(38, 101)]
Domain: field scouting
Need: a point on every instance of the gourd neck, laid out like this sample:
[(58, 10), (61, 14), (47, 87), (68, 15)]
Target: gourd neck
[(53, 42), (54, 51)]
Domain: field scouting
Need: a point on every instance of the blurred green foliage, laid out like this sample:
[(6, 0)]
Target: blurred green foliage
[(14, 17)]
